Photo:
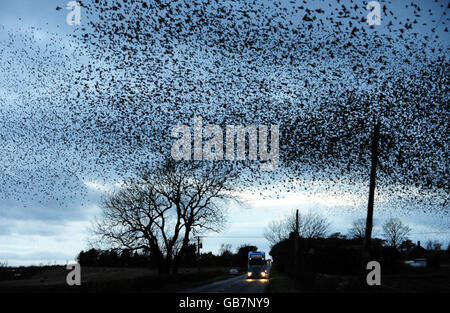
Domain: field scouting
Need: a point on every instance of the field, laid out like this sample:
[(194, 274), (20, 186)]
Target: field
[(104, 279)]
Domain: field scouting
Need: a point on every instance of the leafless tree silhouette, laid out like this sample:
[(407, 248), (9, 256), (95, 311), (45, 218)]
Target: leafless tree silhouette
[(311, 225), (162, 208), (358, 229), (395, 232), (433, 245)]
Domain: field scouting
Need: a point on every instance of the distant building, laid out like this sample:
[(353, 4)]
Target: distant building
[(417, 256)]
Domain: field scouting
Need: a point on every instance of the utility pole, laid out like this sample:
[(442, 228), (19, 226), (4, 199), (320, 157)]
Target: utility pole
[(198, 253), (373, 174), (296, 250)]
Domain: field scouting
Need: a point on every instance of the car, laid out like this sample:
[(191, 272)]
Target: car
[(233, 271)]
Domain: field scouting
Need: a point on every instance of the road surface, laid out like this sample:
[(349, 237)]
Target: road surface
[(238, 284)]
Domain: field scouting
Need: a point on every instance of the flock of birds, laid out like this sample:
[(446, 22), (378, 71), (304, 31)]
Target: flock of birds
[(101, 101)]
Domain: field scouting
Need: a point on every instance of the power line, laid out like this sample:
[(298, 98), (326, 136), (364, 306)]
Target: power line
[(431, 232), (220, 237), (440, 19), (262, 237)]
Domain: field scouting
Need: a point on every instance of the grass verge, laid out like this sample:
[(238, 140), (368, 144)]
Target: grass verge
[(280, 283)]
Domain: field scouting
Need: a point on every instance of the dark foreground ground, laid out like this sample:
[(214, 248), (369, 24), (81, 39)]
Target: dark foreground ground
[(107, 279), (420, 280), (415, 280), (208, 280)]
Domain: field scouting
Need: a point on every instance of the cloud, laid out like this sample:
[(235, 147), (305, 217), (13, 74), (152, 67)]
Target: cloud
[(43, 243)]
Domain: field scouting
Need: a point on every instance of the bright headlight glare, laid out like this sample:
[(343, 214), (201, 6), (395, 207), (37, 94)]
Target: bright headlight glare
[(249, 274)]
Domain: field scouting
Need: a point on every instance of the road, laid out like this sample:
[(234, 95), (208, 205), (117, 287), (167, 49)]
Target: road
[(238, 284)]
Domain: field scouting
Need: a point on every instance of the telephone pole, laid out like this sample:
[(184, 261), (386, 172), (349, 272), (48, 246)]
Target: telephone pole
[(296, 249), (198, 253), (373, 175)]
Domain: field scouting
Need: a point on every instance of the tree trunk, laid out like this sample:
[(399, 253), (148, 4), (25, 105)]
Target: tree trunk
[(177, 259), (165, 265), (164, 268), (161, 261)]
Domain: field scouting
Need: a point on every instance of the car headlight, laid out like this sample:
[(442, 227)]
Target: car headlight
[(249, 274), (263, 274)]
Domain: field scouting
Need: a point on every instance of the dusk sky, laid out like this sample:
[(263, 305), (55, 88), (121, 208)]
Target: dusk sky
[(44, 220)]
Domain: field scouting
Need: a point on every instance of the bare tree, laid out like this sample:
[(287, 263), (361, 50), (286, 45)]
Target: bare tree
[(358, 230), (277, 231), (311, 225), (395, 232), (225, 249), (433, 245), (159, 210)]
